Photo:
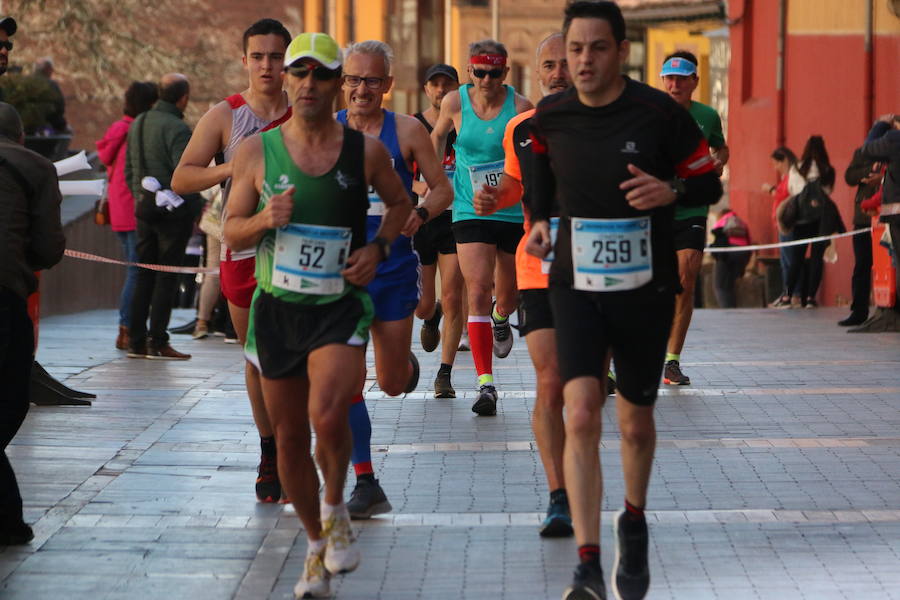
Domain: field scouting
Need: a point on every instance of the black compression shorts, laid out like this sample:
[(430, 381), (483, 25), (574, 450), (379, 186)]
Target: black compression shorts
[(534, 311), (589, 324), (286, 332), (435, 237), (502, 234), (690, 234)]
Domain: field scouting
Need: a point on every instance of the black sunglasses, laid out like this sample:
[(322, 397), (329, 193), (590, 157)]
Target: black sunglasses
[(319, 73), (492, 73), (7, 45)]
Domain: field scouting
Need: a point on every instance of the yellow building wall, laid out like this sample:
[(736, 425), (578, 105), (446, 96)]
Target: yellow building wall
[(839, 17), (370, 19), (661, 41)]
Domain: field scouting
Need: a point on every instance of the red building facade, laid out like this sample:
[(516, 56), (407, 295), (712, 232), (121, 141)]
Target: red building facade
[(801, 68)]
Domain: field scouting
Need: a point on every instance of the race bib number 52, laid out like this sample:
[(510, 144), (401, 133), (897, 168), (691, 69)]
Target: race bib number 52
[(611, 255), (309, 258)]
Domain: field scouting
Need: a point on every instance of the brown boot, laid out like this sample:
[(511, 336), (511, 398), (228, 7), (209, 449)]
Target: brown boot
[(165, 352), (122, 338)]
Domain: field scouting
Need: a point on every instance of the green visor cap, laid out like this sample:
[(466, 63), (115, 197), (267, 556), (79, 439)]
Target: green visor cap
[(320, 47)]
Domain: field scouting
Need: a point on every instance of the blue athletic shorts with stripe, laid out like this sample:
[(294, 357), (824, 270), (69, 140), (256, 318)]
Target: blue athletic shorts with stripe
[(395, 291)]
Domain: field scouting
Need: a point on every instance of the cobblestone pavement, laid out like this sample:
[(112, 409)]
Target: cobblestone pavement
[(777, 476)]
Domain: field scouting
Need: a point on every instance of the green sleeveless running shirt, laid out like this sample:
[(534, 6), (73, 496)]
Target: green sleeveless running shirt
[(479, 157), (336, 199)]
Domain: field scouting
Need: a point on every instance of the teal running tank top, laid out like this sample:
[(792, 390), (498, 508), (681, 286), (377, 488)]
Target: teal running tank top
[(479, 157)]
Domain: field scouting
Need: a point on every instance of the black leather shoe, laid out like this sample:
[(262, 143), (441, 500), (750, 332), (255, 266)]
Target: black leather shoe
[(854, 319)]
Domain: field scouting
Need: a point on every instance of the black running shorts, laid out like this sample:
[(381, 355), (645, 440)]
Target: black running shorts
[(287, 332), (690, 234), (589, 324), (435, 237), (534, 311), (502, 234)]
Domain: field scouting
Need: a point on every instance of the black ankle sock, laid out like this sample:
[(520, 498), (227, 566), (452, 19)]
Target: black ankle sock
[(559, 496), (370, 477), (268, 445), (445, 368), (589, 554), (633, 513)]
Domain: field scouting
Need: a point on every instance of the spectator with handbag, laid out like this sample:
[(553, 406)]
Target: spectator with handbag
[(165, 221), (809, 212), (139, 98), (785, 163)]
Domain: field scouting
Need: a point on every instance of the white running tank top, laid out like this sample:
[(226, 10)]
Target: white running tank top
[(244, 123)]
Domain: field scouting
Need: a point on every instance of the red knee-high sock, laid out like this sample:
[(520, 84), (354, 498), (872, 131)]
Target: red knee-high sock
[(482, 341)]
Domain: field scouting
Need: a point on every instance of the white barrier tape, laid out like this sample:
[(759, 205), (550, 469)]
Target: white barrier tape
[(821, 238), (164, 268)]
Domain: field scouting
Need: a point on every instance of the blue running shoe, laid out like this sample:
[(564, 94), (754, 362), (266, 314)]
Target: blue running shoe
[(558, 522)]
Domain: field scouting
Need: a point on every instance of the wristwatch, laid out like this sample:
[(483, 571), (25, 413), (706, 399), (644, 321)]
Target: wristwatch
[(423, 213), (384, 246), (678, 187)]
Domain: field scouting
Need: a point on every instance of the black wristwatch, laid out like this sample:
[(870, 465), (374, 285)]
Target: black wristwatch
[(423, 213), (384, 246), (677, 185)]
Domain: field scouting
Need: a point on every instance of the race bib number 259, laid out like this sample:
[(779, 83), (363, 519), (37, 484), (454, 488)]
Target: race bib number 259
[(611, 255)]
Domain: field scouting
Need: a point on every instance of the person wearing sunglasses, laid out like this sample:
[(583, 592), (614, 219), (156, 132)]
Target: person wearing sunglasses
[(263, 105), (7, 30), (299, 194), (395, 289), (479, 111)]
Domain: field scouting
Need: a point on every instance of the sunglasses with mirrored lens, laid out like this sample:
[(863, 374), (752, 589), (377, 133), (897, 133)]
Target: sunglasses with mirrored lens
[(7, 45), (319, 73), (492, 73)]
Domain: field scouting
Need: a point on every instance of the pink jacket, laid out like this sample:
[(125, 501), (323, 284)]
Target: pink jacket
[(111, 150)]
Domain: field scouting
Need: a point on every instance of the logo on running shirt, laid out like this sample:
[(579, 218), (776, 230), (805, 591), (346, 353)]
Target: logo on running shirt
[(283, 183), (630, 148), (344, 181), (526, 143), (490, 130)]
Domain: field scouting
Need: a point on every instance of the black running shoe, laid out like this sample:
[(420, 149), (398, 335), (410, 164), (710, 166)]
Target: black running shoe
[(430, 334), (486, 404), (367, 500), (631, 573), (855, 318), (672, 374), (268, 487), (187, 328), (414, 377), (442, 386), (587, 584)]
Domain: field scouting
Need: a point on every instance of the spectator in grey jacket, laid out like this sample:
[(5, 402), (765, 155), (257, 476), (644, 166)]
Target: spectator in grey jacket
[(156, 140), (31, 239)]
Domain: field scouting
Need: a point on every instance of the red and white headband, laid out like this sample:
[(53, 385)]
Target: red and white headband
[(488, 59)]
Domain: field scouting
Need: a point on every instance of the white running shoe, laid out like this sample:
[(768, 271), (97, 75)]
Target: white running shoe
[(314, 583), (341, 553)]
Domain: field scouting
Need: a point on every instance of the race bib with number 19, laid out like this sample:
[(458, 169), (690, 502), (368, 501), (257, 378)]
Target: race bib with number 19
[(485, 174), (611, 255), (309, 258)]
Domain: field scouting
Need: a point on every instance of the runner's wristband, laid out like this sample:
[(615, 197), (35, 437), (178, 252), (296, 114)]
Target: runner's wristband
[(423, 213), (384, 246)]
